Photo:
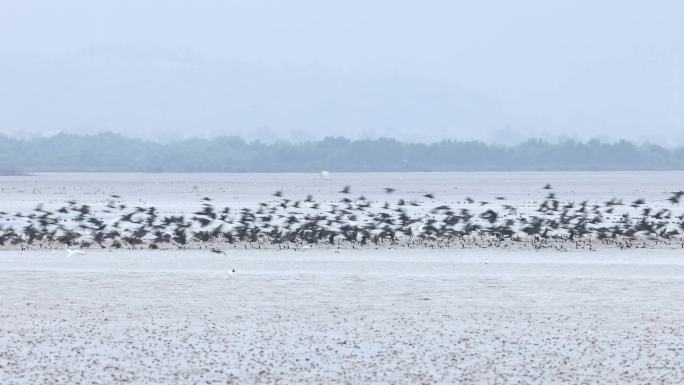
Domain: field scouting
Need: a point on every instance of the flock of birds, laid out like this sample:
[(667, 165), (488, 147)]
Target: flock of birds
[(352, 221)]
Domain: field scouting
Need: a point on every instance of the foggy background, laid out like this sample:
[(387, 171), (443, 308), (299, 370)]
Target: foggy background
[(497, 71)]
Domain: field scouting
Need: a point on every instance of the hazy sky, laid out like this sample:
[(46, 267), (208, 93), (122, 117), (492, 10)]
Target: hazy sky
[(419, 70)]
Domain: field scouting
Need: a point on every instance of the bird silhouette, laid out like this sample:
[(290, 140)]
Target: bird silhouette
[(355, 222)]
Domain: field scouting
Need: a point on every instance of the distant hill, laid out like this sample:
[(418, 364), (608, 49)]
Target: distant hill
[(108, 152)]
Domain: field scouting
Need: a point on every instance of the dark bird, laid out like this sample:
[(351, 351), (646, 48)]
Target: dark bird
[(638, 203), (216, 250), (676, 196), (293, 225)]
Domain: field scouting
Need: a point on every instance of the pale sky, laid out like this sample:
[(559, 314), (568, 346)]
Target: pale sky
[(415, 70)]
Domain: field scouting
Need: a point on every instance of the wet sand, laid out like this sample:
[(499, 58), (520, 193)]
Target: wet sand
[(356, 317)]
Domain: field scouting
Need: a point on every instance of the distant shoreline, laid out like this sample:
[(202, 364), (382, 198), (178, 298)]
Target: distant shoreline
[(110, 152), (38, 173)]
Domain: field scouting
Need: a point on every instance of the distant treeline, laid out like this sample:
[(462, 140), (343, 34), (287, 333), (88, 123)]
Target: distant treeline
[(112, 152)]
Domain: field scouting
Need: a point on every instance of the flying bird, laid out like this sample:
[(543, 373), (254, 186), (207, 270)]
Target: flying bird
[(674, 199), (638, 203)]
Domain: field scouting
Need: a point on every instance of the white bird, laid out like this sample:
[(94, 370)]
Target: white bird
[(72, 252), (231, 272)]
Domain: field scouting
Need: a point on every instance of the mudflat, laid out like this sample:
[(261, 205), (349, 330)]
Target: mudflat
[(329, 316)]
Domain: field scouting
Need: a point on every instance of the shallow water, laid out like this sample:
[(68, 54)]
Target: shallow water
[(179, 192)]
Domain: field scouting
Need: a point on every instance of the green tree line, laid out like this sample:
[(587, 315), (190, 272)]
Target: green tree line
[(109, 152)]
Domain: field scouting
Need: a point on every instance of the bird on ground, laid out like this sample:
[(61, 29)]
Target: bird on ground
[(216, 250)]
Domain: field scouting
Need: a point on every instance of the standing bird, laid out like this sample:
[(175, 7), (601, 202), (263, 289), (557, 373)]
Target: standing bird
[(216, 250)]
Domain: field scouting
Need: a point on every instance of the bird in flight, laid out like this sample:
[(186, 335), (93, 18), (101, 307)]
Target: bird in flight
[(638, 203), (676, 196)]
